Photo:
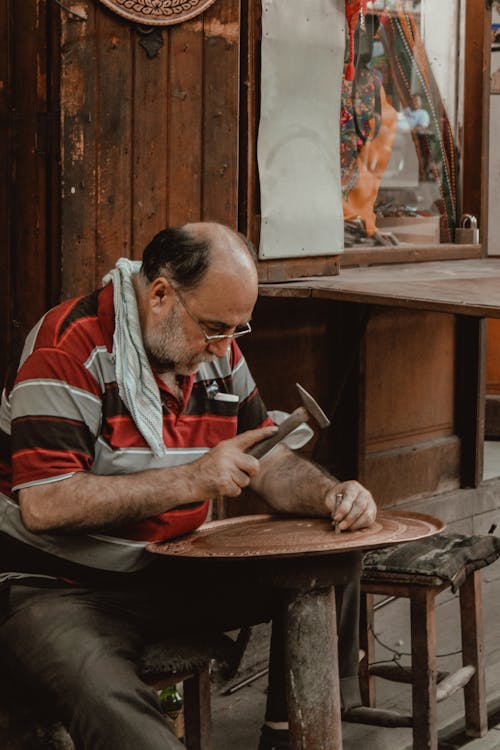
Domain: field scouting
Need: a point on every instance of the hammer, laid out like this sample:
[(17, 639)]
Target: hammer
[(308, 409)]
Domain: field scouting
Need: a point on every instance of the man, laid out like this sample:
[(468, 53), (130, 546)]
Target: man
[(132, 407), (417, 117)]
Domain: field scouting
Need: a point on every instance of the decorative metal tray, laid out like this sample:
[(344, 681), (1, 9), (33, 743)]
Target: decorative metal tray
[(270, 535), (158, 12)]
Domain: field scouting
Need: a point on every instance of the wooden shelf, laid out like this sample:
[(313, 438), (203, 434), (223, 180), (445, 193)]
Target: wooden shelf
[(287, 269), (462, 287)]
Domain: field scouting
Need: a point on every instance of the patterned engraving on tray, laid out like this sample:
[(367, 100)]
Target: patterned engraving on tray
[(265, 536)]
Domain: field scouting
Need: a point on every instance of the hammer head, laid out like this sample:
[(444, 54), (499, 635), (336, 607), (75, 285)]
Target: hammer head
[(313, 408)]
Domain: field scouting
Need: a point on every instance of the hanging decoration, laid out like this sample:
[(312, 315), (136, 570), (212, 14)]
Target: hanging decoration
[(355, 12), (368, 124), (158, 12), (412, 73)]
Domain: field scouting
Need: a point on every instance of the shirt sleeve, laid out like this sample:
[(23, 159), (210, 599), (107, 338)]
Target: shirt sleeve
[(56, 409)]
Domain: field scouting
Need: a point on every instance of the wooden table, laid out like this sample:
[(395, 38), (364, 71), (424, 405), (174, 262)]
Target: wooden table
[(468, 289), (304, 560), (462, 287)]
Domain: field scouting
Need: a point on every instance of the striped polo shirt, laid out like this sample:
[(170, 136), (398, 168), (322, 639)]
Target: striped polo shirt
[(64, 415)]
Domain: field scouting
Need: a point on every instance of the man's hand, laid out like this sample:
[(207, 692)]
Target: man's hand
[(357, 508), (227, 469)]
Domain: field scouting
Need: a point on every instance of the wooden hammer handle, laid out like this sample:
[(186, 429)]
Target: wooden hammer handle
[(296, 418)]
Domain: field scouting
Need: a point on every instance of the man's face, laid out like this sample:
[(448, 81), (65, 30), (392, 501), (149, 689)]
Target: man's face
[(169, 347), (174, 337)]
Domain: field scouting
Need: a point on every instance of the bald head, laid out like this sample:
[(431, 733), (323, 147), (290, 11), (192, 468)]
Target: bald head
[(186, 254), (229, 252)]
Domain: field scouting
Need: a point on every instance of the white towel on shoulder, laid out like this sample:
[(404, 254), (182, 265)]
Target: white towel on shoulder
[(137, 386)]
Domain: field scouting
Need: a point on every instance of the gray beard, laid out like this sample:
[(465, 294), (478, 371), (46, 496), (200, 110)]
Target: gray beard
[(166, 348)]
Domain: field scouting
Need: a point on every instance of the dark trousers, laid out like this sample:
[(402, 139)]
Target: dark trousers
[(80, 646)]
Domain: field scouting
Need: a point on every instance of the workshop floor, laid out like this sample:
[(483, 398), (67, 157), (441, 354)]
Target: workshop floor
[(237, 718)]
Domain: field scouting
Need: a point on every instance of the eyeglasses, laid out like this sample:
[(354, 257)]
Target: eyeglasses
[(239, 330)]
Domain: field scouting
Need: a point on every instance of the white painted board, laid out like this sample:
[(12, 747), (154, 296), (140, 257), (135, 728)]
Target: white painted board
[(299, 133)]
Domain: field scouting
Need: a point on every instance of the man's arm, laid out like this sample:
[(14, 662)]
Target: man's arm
[(291, 484), (90, 501)]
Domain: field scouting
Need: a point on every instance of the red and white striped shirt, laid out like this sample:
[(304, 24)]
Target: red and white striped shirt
[(64, 415)]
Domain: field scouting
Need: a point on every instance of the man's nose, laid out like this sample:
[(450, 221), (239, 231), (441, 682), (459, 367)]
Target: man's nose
[(219, 347)]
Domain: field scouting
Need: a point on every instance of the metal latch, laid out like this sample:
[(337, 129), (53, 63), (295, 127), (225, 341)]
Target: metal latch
[(468, 231)]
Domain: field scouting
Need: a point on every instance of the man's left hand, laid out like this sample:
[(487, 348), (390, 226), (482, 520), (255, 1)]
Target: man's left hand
[(357, 508)]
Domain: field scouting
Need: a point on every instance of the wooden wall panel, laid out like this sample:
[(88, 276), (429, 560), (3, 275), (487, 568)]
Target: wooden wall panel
[(220, 112), (149, 166), (408, 442), (53, 157), (493, 358), (409, 378), (29, 164), (290, 343), (78, 115), (31, 104), (5, 192), (492, 408), (185, 148), (470, 378), (115, 136), (426, 468), (317, 344), (387, 379)]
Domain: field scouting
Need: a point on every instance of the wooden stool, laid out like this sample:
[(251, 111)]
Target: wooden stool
[(24, 724), (420, 571)]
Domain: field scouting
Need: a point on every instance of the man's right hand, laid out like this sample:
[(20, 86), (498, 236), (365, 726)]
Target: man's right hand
[(227, 469)]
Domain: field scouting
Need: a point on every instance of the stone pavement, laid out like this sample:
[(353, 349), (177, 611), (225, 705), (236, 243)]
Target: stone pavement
[(237, 718)]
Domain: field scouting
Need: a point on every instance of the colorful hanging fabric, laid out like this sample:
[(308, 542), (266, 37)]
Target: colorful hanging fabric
[(353, 10), (360, 117), (368, 127), (411, 73)]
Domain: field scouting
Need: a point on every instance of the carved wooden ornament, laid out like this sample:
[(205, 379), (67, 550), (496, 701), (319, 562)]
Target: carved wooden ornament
[(158, 12)]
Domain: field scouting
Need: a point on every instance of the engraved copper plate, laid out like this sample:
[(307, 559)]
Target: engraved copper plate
[(158, 12), (267, 536)]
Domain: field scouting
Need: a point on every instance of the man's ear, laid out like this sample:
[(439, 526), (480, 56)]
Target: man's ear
[(160, 294)]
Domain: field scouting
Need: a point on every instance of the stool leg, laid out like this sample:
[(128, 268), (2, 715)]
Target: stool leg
[(367, 645), (476, 714), (197, 714), (423, 658)]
